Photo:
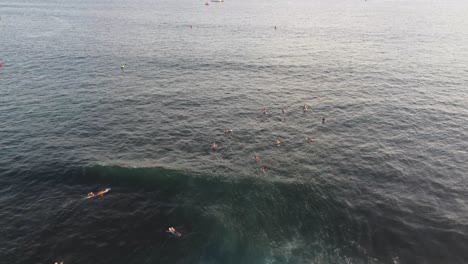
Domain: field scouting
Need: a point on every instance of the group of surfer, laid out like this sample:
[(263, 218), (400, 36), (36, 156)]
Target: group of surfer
[(305, 108)]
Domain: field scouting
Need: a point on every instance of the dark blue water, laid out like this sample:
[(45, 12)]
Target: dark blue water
[(385, 180)]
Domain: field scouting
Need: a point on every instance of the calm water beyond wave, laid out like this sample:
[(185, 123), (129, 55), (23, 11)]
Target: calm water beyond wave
[(385, 180)]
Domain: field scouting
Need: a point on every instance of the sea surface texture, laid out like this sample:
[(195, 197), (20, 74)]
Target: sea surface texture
[(385, 179)]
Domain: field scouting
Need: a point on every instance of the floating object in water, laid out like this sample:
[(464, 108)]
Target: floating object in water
[(174, 232), (277, 142), (310, 140), (262, 170), (207, 3), (1, 64), (305, 108), (100, 193), (227, 131), (122, 66), (264, 110)]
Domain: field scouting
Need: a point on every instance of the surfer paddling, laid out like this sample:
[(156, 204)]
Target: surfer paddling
[(100, 193), (173, 232)]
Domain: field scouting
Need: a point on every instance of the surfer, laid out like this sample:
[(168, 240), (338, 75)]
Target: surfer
[(275, 27), (214, 145), (262, 170), (227, 131), (283, 111), (100, 193), (305, 108), (264, 110), (277, 142), (310, 140), (173, 231), (257, 159), (323, 120), (122, 66)]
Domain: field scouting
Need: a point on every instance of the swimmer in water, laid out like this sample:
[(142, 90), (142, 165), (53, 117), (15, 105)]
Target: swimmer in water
[(122, 67), (262, 170), (257, 159), (305, 108), (214, 145), (283, 111), (264, 110), (277, 142), (323, 120), (310, 140), (91, 194), (227, 131)]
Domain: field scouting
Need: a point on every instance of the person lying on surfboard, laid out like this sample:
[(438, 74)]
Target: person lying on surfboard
[(173, 231), (100, 193)]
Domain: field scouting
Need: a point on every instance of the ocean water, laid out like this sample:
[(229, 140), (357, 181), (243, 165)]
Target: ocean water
[(385, 180)]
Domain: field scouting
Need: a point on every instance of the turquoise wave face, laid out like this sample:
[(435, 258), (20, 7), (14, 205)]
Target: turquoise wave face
[(221, 219), (240, 220)]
